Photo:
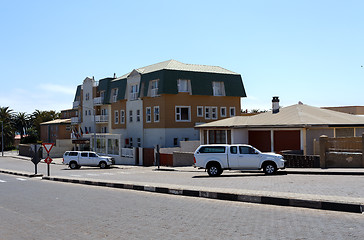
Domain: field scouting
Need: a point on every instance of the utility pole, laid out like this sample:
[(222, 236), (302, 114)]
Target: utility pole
[(2, 138)]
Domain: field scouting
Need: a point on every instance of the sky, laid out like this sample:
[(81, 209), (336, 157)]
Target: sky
[(308, 51)]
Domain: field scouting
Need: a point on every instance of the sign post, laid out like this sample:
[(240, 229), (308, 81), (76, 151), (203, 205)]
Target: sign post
[(48, 160), (35, 149)]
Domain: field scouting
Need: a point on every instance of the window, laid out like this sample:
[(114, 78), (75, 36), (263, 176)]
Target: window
[(138, 115), (116, 117), (232, 111), (114, 94), (156, 114), (218, 88), (154, 88), (130, 116), (131, 141), (223, 111), (207, 112), (246, 150), (183, 114), (175, 141), (92, 154), (234, 149), (199, 111), (216, 149), (84, 154), (217, 136), (183, 85), (139, 142), (86, 112), (113, 146), (134, 91), (148, 114), (87, 96), (213, 112), (122, 116)]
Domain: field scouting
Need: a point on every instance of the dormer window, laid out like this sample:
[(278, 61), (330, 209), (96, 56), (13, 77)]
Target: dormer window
[(134, 92), (218, 88), (184, 85), (154, 88), (114, 94)]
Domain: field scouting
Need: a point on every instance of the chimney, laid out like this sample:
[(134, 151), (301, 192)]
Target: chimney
[(114, 75), (275, 104)]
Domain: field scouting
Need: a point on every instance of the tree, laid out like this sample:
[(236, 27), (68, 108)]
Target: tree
[(6, 116), (22, 123)]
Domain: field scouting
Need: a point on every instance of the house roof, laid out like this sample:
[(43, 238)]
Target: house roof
[(298, 115), (57, 121)]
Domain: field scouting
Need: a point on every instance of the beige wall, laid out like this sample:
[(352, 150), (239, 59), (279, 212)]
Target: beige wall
[(168, 102)]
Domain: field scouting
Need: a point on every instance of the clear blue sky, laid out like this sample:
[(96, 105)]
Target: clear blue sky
[(309, 51)]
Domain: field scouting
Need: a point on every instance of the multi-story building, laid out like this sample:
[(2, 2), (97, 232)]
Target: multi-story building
[(158, 104)]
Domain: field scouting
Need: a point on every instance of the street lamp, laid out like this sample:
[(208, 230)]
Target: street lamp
[(2, 138)]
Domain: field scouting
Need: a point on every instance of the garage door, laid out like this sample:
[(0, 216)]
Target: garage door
[(287, 140), (260, 140)]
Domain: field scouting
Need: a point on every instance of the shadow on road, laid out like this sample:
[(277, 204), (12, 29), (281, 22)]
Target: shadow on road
[(244, 174)]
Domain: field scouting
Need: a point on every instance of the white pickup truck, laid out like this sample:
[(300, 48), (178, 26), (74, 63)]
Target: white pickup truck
[(218, 157), (76, 159)]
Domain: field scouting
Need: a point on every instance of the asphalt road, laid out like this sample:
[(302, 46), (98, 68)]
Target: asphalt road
[(38, 209)]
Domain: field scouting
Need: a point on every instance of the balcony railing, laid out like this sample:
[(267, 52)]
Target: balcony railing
[(75, 120), (134, 96), (98, 101), (102, 118), (76, 104)]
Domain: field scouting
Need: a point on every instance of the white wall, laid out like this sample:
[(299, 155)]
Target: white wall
[(239, 136), (165, 136), (87, 105)]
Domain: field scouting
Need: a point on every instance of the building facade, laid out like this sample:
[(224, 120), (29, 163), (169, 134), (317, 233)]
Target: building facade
[(158, 104)]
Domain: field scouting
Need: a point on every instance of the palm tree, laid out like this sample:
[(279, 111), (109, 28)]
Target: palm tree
[(22, 123), (39, 117), (6, 116)]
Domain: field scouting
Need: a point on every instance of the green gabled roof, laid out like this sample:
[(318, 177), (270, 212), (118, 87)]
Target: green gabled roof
[(104, 85), (78, 92), (119, 83), (201, 82)]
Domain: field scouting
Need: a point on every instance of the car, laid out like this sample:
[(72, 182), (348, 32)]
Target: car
[(216, 158), (76, 159)]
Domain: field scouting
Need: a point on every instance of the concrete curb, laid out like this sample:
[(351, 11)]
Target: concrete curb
[(21, 174), (322, 205)]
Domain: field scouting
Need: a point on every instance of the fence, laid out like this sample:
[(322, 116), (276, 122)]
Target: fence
[(301, 161), (341, 152)]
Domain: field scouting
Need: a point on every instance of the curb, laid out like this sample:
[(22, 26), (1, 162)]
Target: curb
[(21, 174), (289, 202)]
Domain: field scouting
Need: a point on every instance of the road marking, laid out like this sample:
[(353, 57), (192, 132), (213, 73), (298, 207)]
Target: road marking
[(108, 174), (2, 181), (75, 175), (91, 174), (21, 179)]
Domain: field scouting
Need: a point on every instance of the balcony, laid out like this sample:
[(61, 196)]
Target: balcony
[(98, 101), (75, 120), (102, 118), (76, 104)]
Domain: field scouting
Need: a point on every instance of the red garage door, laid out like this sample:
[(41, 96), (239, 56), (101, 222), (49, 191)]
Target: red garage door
[(287, 140), (260, 140)]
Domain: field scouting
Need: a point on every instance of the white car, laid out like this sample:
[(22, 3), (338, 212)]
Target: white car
[(76, 159), (218, 157)]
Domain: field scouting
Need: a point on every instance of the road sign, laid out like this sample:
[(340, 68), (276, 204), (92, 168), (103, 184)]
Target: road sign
[(48, 146), (48, 160)]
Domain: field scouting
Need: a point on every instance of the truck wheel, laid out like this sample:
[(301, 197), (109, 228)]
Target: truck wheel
[(73, 165), (214, 170), (103, 165), (269, 168)]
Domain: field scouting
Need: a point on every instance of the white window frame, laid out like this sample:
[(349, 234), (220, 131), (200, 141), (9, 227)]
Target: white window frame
[(221, 113), (179, 115), (122, 117), (207, 113), (148, 116), (156, 114), (134, 91), (232, 108), (116, 117), (218, 88), (183, 85), (115, 94), (202, 112), (214, 113), (154, 85), (130, 115)]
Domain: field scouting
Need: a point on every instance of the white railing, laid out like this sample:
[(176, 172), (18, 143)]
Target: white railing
[(133, 96), (98, 100), (154, 92), (127, 152), (76, 104), (75, 120), (101, 118), (114, 98)]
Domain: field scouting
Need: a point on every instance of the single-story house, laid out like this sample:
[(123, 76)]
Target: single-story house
[(295, 127)]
